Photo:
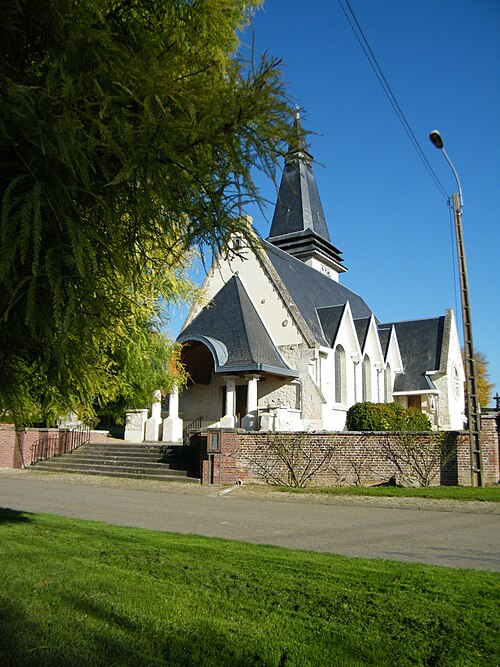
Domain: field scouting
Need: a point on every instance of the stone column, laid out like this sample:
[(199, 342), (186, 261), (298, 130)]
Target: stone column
[(249, 421), (229, 419), (153, 424), (173, 425)]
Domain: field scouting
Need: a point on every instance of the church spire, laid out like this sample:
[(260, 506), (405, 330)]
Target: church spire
[(299, 225), (297, 147)]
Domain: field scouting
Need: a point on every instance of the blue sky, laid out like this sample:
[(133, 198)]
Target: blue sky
[(441, 59)]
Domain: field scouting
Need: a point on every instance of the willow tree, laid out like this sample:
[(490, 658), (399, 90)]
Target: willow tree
[(129, 133)]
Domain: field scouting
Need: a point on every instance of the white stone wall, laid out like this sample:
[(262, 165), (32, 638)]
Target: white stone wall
[(299, 358), (451, 402), (323, 268), (334, 418), (282, 393), (373, 351)]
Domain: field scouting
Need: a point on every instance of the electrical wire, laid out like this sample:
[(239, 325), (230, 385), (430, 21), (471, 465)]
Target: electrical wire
[(365, 46)]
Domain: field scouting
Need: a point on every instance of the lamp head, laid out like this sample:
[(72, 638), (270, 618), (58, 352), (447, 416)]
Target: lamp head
[(435, 137)]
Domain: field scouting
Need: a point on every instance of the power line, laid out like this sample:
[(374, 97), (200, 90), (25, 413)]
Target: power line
[(365, 46)]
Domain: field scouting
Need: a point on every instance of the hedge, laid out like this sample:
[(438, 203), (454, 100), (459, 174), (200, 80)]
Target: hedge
[(385, 417)]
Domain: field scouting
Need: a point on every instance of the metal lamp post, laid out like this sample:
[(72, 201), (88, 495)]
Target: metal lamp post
[(472, 402)]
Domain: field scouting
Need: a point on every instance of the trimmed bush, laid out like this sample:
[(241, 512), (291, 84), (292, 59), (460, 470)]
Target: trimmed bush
[(385, 417), (416, 421)]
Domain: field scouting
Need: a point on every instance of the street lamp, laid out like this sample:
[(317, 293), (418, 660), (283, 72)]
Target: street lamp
[(472, 403)]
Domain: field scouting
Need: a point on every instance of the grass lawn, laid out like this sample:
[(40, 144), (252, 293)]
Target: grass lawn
[(490, 493), (85, 593)]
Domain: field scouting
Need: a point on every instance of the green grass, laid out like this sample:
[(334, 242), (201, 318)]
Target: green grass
[(490, 493), (84, 593)]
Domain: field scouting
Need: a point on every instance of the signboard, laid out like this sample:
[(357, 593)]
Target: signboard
[(214, 442)]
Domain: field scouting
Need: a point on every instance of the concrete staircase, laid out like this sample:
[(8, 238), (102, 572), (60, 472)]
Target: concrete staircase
[(166, 462)]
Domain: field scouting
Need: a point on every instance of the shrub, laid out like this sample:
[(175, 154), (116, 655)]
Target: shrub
[(385, 417), (416, 421), (290, 461)]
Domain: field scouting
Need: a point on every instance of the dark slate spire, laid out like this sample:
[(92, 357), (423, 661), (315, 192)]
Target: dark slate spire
[(299, 225)]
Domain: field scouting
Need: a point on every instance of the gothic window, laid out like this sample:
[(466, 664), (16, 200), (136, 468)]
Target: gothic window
[(340, 375), (388, 384), (366, 380), (455, 381)]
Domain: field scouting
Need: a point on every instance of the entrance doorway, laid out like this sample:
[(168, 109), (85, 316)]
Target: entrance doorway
[(241, 401), (415, 402)]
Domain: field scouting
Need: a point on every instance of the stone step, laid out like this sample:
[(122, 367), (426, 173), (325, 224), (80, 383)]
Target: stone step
[(108, 466), (146, 456), (126, 451), (136, 460), (132, 447), (113, 461), (124, 474)]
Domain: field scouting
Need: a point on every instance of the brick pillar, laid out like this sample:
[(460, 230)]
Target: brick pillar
[(490, 437), (8, 447), (220, 467)]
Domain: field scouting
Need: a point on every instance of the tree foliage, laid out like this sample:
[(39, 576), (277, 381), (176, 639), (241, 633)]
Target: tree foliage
[(484, 386), (129, 132)]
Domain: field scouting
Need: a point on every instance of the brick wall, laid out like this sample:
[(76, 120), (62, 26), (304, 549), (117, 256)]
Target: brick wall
[(7, 445), (340, 458), (15, 446)]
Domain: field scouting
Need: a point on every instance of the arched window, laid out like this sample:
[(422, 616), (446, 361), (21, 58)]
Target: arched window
[(388, 384), (340, 375), (366, 379)]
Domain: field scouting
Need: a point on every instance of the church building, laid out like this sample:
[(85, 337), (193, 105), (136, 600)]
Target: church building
[(279, 343)]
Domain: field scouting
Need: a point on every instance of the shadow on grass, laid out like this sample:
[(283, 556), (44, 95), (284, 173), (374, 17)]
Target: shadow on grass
[(8, 515), (100, 635)]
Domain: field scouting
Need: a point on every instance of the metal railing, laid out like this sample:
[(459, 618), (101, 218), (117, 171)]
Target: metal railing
[(193, 426), (62, 442)]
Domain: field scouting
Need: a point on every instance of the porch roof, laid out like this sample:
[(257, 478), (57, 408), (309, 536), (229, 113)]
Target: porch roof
[(234, 333)]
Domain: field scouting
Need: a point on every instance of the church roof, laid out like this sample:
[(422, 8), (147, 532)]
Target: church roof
[(299, 224), (230, 326), (420, 344), (311, 290), (362, 325), (330, 318), (384, 336)]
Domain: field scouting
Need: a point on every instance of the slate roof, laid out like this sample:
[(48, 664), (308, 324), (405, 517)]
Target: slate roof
[(384, 336), (311, 290), (420, 344), (299, 225), (232, 329), (298, 207), (329, 318), (361, 325)]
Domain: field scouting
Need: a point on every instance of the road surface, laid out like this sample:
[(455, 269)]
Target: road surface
[(448, 533)]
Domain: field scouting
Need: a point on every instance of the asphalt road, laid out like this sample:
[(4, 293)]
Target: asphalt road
[(463, 535)]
